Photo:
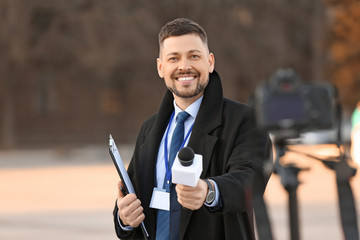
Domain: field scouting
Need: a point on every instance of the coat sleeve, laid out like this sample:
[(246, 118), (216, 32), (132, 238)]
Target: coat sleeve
[(243, 152), (122, 234)]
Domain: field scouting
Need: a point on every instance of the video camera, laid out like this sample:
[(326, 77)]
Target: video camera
[(286, 107)]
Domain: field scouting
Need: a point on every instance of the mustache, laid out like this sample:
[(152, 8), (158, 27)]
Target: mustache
[(181, 73)]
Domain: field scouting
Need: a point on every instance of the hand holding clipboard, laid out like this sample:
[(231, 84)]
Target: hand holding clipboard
[(128, 187)]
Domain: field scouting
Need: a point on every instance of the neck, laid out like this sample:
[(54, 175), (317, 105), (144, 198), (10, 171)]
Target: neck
[(184, 103)]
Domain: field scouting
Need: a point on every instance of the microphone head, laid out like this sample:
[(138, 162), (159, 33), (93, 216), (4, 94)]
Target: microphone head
[(186, 156)]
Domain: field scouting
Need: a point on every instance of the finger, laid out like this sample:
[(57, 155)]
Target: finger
[(184, 188), (134, 205), (191, 205), (140, 219), (124, 202), (130, 204), (136, 215), (132, 214), (120, 187), (191, 201), (136, 222), (186, 192), (127, 200), (197, 193)]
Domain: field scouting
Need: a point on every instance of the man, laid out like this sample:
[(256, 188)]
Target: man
[(220, 130)]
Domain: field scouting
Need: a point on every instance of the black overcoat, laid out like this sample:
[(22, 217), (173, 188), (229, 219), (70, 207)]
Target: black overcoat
[(233, 150)]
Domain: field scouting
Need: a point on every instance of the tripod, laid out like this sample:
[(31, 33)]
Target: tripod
[(343, 171), (289, 180)]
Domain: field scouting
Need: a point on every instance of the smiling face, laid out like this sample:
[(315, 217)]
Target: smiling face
[(185, 64)]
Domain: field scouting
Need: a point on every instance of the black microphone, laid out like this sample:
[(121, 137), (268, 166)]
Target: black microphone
[(186, 156)]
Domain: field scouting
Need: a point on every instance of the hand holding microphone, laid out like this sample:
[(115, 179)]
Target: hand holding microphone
[(186, 170)]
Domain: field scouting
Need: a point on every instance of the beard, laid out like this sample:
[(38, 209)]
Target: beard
[(199, 88), (187, 93)]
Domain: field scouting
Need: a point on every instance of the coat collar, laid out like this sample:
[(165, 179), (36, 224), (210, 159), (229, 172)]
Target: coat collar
[(209, 116)]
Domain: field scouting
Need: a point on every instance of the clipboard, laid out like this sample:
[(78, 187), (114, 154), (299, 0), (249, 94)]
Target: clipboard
[(128, 186)]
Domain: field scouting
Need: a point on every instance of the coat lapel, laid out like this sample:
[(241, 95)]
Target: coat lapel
[(149, 151), (202, 140)]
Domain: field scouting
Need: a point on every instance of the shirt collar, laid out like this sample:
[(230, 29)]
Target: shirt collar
[(193, 109)]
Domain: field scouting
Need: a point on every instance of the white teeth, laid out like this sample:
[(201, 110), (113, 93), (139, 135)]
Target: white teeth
[(185, 78)]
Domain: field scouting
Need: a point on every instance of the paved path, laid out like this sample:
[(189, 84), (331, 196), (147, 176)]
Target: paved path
[(61, 194)]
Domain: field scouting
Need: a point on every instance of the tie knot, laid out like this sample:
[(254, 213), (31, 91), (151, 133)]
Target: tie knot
[(182, 116)]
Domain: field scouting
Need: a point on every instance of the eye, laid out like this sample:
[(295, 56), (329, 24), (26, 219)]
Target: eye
[(172, 59), (194, 56)]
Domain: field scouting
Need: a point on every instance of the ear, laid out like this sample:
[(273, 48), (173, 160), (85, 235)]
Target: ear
[(159, 67), (211, 59)]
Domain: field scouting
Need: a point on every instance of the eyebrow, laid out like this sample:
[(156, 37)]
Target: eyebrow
[(176, 53)]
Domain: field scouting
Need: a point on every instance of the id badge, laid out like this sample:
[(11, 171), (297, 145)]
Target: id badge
[(160, 199)]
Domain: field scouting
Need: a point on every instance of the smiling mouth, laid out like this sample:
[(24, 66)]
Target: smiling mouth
[(184, 79)]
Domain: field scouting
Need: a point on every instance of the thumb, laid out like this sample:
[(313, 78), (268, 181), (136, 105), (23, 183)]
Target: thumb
[(121, 191)]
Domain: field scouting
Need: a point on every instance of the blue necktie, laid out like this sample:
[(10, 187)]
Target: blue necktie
[(163, 218)]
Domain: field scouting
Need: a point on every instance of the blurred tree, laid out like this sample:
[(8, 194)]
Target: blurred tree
[(344, 49), (73, 71), (12, 48)]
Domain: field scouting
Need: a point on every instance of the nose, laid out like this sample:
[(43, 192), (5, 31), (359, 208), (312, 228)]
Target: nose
[(184, 65)]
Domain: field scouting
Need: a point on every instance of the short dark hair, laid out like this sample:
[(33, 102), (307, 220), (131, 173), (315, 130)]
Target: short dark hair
[(179, 27)]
